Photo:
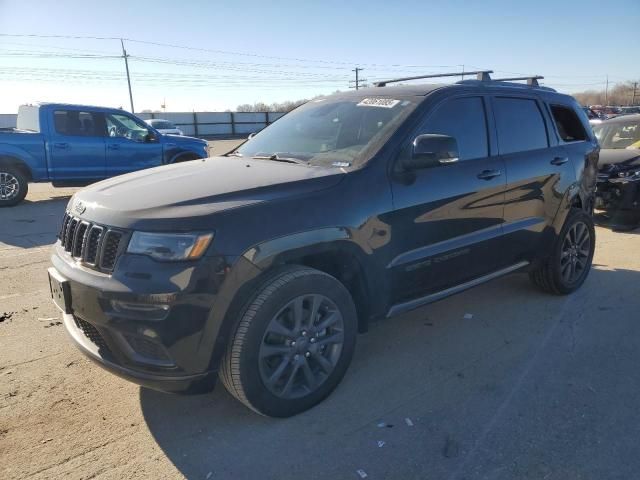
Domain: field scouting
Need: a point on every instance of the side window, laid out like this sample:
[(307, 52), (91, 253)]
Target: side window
[(569, 125), (78, 124), (519, 124), (463, 119), (123, 126)]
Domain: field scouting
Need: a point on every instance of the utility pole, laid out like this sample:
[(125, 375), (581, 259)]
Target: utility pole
[(606, 93), (462, 76), (633, 99), (126, 65), (359, 80)]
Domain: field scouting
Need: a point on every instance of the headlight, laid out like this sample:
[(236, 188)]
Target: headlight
[(170, 246)]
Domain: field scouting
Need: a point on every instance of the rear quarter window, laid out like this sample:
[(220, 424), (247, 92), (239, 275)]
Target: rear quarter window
[(568, 124)]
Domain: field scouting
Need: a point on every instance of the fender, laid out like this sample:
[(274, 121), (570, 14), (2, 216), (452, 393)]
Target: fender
[(35, 168), (574, 195), (251, 269)]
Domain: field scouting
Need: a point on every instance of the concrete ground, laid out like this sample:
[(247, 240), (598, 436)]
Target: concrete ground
[(500, 382)]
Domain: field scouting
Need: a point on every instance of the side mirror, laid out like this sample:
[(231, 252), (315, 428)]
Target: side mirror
[(431, 150), (150, 137)]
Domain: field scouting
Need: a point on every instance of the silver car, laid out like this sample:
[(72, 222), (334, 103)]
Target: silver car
[(164, 126)]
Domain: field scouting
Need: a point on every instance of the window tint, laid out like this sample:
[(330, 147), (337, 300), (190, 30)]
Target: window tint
[(569, 125), (519, 124), (463, 119), (82, 124)]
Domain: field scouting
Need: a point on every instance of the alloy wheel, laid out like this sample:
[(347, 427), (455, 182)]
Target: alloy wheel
[(576, 249), (9, 186), (301, 346)]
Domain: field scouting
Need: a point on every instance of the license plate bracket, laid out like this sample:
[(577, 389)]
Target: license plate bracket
[(60, 290)]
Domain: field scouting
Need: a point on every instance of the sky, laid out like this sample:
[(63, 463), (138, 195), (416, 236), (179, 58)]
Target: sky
[(249, 51)]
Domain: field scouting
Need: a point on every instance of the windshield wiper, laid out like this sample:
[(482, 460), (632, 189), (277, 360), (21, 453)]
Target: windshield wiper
[(275, 157)]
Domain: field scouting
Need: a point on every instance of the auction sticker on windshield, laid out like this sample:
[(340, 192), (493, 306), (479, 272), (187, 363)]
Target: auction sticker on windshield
[(379, 102)]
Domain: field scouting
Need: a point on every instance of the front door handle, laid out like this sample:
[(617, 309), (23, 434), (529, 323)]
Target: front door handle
[(559, 160), (113, 146), (61, 145), (489, 174)]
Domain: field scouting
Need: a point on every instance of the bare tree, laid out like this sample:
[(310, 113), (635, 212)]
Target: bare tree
[(619, 94)]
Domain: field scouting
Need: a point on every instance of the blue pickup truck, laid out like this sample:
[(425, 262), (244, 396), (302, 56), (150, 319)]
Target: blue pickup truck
[(74, 145)]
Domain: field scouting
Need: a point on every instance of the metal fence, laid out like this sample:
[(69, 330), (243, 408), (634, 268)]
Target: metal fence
[(199, 124)]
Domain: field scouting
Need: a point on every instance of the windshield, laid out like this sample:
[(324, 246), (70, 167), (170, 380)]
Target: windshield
[(618, 135), (162, 125), (335, 131)]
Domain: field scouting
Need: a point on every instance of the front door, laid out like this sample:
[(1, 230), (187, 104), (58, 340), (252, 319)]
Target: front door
[(447, 220), (131, 145), (76, 146)]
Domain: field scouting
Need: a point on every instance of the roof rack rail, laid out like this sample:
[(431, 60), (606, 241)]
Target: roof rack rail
[(482, 75), (532, 80)]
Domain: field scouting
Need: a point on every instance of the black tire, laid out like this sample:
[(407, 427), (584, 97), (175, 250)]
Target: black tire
[(9, 175), (549, 274), (243, 365)]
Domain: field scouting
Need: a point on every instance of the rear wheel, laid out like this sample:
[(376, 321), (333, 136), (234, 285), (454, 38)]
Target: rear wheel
[(13, 186), (293, 344), (569, 264)]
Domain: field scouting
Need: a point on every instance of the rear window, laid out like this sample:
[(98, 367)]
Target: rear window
[(78, 124), (569, 125), (520, 125), (28, 118)]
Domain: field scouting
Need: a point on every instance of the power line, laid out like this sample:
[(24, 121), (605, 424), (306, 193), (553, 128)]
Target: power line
[(224, 52)]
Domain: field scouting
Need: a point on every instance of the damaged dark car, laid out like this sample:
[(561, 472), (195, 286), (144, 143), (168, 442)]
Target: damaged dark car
[(618, 187)]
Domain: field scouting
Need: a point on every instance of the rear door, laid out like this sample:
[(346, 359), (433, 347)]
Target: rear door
[(131, 145), (76, 145), (447, 220), (538, 173)]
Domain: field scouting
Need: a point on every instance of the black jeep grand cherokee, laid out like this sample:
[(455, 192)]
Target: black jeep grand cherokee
[(260, 266)]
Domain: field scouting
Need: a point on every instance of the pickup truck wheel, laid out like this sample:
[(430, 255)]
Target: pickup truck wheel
[(13, 186), (293, 344), (569, 264)]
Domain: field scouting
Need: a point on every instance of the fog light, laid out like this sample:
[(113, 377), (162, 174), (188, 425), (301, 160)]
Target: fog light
[(141, 310)]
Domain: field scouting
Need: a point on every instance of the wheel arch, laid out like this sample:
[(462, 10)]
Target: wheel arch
[(574, 197), (185, 157), (16, 162), (253, 269)]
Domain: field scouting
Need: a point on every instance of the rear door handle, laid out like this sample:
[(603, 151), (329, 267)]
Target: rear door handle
[(61, 145), (559, 160), (113, 146), (489, 174)]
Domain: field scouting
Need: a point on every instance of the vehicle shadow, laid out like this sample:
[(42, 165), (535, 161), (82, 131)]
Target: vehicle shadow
[(447, 368), (618, 222), (32, 223)]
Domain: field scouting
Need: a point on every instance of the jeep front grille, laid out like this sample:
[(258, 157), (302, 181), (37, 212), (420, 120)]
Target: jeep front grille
[(94, 245)]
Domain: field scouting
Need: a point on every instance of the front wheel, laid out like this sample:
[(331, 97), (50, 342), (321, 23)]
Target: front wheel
[(13, 186), (293, 344), (570, 261)]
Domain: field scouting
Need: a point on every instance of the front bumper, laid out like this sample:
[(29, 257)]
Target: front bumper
[(617, 194), (148, 322), (157, 381)]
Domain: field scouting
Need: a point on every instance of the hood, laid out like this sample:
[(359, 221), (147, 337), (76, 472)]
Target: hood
[(190, 190), (182, 139), (619, 156)]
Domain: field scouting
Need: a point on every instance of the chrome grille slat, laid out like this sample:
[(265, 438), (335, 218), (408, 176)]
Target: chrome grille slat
[(78, 239), (94, 245), (70, 234)]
